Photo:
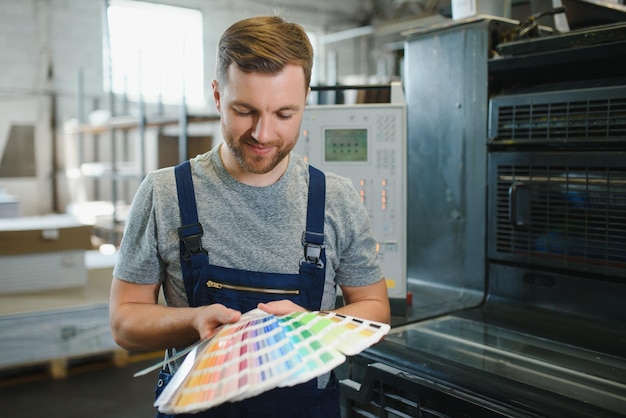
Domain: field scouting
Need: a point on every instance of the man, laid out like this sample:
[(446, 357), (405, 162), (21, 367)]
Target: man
[(270, 231)]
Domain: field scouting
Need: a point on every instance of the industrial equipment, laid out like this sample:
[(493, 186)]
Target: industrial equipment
[(367, 143), (536, 142)]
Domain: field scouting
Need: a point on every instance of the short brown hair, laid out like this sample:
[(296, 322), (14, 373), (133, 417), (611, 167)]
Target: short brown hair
[(264, 44)]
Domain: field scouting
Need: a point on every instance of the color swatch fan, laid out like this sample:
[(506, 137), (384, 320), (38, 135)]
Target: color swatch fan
[(262, 352)]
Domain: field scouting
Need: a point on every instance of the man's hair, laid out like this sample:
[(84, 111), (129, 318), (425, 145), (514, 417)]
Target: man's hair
[(264, 44)]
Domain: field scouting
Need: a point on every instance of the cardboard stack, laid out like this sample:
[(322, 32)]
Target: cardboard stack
[(44, 252)]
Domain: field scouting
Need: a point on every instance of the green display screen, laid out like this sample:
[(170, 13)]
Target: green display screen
[(342, 145)]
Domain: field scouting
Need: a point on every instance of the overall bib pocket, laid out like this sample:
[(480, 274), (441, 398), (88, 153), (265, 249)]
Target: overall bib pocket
[(244, 292)]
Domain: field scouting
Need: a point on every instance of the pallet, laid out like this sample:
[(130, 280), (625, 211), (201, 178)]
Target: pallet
[(60, 368)]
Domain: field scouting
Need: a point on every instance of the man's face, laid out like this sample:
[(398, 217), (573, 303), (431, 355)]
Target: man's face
[(260, 117)]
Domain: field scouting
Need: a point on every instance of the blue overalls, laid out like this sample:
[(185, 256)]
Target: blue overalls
[(243, 290)]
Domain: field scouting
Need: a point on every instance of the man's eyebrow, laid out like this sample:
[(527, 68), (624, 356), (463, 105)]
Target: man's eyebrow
[(242, 104), (292, 108)]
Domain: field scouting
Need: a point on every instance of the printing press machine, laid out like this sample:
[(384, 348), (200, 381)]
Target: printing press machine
[(516, 229)]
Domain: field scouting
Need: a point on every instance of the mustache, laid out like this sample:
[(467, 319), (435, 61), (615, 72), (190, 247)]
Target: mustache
[(250, 140)]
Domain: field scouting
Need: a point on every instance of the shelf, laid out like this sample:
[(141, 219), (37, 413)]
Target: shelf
[(123, 170), (112, 138), (127, 123)]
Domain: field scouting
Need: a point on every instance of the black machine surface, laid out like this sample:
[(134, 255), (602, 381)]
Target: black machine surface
[(535, 145)]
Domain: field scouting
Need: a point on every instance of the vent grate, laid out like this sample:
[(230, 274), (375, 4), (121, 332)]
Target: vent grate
[(591, 113), (565, 216), (562, 121)]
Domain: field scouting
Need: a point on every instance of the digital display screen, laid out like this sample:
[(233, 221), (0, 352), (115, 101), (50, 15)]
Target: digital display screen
[(345, 145)]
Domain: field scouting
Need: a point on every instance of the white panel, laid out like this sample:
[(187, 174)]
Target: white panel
[(36, 272), (376, 165)]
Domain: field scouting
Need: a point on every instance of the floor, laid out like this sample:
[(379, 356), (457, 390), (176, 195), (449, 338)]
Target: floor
[(93, 389)]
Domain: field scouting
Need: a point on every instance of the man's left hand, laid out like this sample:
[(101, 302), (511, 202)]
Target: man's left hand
[(280, 307)]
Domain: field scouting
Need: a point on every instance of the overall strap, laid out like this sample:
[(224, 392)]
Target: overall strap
[(190, 233), (313, 264)]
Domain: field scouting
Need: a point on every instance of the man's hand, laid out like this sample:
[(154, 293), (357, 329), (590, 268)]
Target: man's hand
[(209, 318), (280, 307)]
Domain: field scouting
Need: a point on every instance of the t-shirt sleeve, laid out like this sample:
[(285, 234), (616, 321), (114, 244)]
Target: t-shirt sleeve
[(138, 260)]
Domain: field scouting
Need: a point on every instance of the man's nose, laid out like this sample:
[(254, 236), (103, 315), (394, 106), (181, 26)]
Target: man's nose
[(262, 130)]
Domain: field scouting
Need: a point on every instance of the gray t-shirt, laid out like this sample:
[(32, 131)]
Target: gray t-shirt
[(245, 227)]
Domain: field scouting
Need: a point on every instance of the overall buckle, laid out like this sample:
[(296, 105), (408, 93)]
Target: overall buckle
[(312, 250), (191, 236)]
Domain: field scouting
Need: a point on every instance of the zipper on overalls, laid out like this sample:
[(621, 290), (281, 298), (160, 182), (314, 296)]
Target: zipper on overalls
[(217, 285)]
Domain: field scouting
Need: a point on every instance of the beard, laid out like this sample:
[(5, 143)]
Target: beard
[(256, 164)]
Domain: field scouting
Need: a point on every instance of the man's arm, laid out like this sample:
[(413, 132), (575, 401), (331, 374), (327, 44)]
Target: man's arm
[(139, 322), (367, 302)]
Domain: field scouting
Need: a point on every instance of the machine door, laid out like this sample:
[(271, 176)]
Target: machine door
[(564, 210)]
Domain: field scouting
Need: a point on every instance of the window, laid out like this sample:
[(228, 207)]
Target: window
[(155, 51)]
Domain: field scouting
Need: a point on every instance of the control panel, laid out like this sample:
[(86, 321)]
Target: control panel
[(367, 143)]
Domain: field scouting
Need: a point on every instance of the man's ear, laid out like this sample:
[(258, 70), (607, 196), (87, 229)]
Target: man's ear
[(216, 96)]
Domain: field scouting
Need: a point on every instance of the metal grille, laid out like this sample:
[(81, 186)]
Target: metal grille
[(387, 392), (385, 403), (400, 398), (589, 116), (571, 216), (389, 401)]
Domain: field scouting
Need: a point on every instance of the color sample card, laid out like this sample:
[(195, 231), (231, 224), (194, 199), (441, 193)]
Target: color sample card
[(262, 352)]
